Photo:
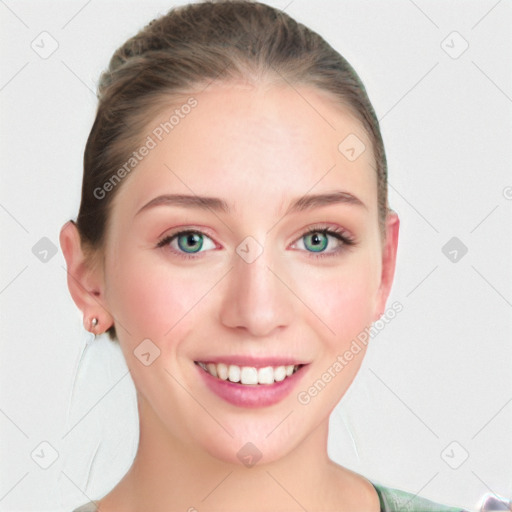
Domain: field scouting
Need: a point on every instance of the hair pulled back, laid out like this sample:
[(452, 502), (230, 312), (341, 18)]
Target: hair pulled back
[(184, 50)]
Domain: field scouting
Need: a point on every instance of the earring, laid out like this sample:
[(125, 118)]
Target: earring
[(94, 323)]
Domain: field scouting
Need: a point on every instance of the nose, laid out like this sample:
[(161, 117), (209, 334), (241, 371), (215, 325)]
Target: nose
[(257, 299)]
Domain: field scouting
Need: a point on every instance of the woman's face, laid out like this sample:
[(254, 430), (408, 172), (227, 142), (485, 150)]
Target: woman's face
[(249, 287)]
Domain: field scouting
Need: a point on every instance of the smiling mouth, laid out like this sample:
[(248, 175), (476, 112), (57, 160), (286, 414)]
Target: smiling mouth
[(249, 375)]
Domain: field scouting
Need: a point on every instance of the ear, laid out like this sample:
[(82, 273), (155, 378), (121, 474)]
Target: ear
[(85, 280), (388, 263)]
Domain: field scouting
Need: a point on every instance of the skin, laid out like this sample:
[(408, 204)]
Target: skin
[(258, 148)]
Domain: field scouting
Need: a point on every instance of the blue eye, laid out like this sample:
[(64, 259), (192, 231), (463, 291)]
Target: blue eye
[(317, 240), (193, 241), (189, 243)]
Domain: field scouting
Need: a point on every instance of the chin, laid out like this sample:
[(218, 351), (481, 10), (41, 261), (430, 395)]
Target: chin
[(251, 451)]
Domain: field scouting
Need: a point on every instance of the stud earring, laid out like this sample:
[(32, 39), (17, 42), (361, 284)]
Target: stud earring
[(94, 323)]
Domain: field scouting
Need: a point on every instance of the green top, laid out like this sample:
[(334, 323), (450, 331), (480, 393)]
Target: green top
[(391, 500)]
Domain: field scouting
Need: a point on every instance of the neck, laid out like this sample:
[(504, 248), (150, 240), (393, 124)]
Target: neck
[(169, 475)]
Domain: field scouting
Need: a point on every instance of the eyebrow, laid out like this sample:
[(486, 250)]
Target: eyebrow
[(303, 203)]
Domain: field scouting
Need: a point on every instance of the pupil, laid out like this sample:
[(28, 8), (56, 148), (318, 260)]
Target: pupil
[(192, 239), (316, 241)]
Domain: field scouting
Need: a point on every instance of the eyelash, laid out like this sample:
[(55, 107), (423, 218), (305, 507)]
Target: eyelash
[(339, 234)]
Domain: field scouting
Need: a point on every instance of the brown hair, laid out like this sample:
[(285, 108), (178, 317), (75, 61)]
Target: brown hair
[(191, 46)]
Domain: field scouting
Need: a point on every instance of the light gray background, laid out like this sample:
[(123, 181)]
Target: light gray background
[(439, 372)]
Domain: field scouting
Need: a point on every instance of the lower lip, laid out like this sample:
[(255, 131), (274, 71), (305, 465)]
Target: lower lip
[(243, 395)]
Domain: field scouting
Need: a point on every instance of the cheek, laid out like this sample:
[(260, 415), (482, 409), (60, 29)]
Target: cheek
[(343, 300), (152, 302)]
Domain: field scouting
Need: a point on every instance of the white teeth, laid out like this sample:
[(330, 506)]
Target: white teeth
[(249, 375), (279, 373), (222, 371), (266, 375), (212, 369), (234, 373)]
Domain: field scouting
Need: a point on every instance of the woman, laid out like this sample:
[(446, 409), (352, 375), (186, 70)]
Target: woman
[(234, 237)]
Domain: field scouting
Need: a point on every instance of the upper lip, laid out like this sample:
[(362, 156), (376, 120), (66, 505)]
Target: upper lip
[(256, 362)]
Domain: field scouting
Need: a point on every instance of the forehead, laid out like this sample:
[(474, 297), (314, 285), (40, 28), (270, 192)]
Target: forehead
[(247, 143)]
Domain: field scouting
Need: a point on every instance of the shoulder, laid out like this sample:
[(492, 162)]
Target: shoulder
[(394, 500), (391, 500), (88, 507)]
